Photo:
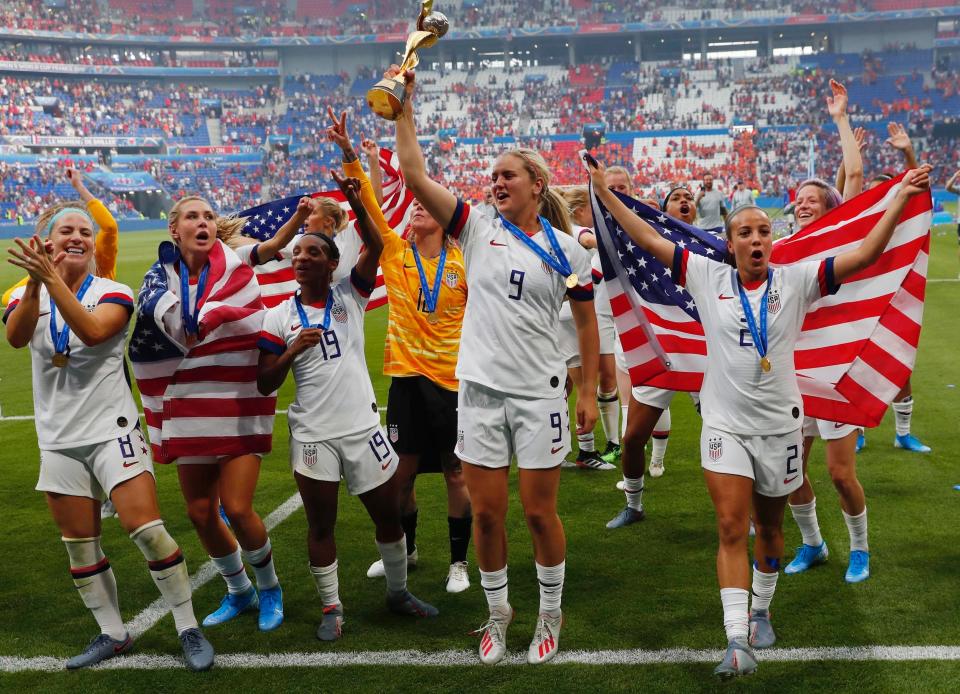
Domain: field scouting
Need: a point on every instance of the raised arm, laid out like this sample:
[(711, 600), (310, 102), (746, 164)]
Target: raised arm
[(900, 140), (372, 150), (92, 327), (866, 254), (852, 162), (369, 259), (642, 233), (269, 249), (107, 244), (437, 200), (953, 185), (860, 135)]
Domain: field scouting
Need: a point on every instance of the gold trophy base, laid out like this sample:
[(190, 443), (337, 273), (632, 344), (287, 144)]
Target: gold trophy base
[(386, 98)]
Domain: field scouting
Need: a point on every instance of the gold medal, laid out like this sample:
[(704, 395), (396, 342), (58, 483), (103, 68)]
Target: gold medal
[(60, 360), (572, 280), (765, 364), (433, 318)]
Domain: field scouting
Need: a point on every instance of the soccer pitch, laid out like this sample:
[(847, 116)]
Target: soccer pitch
[(641, 603)]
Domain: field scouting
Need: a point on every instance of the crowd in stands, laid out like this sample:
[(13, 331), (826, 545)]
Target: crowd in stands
[(352, 17)]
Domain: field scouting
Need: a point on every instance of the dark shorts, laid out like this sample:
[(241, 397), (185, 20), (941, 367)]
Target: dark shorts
[(422, 420)]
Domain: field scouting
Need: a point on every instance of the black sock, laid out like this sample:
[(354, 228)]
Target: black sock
[(409, 523), (459, 537)]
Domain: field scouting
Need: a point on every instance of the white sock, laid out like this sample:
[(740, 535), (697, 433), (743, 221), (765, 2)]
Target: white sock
[(857, 526), (736, 618), (585, 442), (624, 409), (231, 568), (551, 587), (763, 588), (328, 585), (903, 411), (394, 556), (96, 584), (633, 488), (262, 562), (168, 571), (661, 436), (494, 584), (609, 406), (806, 517)]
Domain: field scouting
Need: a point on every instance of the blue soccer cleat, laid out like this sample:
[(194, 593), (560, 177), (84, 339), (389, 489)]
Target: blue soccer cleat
[(628, 516), (271, 608), (861, 441), (197, 651), (807, 557), (102, 647), (231, 606), (910, 442), (859, 568), (738, 660)]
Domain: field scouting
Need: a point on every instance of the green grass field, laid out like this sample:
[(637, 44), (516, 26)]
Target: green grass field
[(651, 586)]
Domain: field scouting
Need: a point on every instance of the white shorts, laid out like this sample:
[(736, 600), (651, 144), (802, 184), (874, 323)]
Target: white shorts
[(365, 459), (658, 397), (493, 427), (828, 431), (94, 470), (208, 459), (608, 333), (774, 463), (569, 344)]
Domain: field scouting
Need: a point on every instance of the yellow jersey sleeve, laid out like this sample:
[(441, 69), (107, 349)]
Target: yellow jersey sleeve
[(108, 240)]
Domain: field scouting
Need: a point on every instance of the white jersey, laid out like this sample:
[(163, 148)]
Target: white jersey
[(510, 328), (89, 400), (335, 397), (601, 292), (737, 395)]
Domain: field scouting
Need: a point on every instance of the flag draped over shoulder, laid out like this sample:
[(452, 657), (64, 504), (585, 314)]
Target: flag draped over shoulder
[(202, 399), (263, 221), (857, 347)]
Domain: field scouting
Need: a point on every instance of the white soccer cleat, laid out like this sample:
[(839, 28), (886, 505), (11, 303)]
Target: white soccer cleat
[(493, 636), (546, 639), (376, 568), (458, 579)]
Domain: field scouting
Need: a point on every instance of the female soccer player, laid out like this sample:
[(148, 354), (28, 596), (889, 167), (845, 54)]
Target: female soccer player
[(814, 199), (751, 440), (88, 429), (648, 414), (427, 290), (206, 305), (334, 422), (511, 382)]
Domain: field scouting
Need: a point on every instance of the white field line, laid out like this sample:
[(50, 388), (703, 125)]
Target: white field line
[(950, 279), (29, 417), (462, 658), (156, 610)]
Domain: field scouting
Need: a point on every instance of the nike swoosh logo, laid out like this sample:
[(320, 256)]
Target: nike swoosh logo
[(136, 462), (838, 425), (722, 297), (554, 451), (385, 465), (788, 480), (494, 243)]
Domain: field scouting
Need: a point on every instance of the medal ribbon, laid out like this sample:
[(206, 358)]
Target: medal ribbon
[(558, 263), (60, 339), (759, 336), (304, 322), (191, 323), (430, 298)]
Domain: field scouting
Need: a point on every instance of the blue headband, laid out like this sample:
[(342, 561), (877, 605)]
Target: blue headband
[(66, 211)]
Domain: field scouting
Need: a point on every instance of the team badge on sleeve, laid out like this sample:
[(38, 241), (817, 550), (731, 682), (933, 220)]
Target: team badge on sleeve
[(394, 433), (773, 301), (310, 455), (715, 448)]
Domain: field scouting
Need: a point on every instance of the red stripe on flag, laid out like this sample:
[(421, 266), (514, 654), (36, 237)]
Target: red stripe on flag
[(221, 407)]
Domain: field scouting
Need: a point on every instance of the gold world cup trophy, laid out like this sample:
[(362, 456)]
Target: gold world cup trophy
[(386, 97)]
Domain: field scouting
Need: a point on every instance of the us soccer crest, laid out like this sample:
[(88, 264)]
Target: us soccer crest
[(460, 440), (309, 456), (546, 268), (773, 301), (339, 313), (715, 448), (393, 433), (450, 278)]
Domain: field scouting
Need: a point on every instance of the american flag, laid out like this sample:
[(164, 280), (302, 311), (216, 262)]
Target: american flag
[(263, 221), (201, 400), (857, 347)]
